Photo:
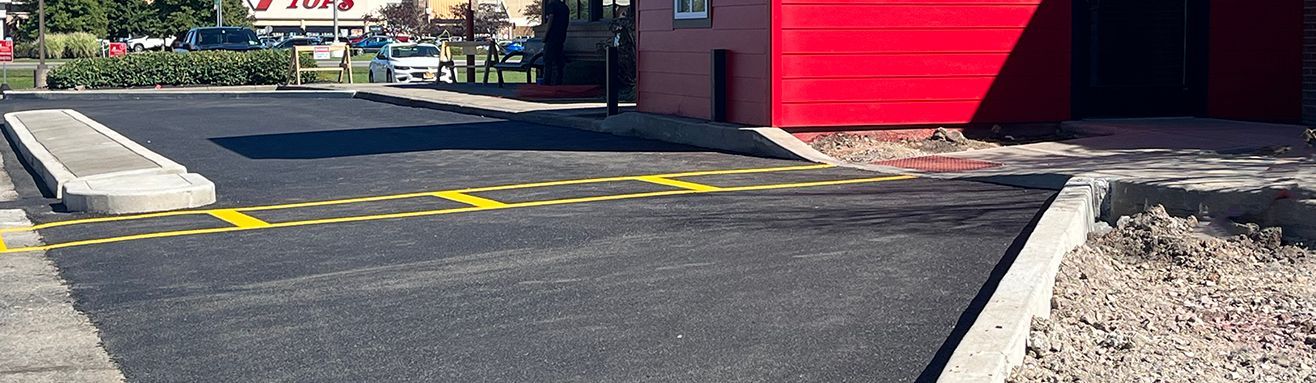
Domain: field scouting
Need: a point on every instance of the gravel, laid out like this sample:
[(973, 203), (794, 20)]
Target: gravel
[(1165, 299)]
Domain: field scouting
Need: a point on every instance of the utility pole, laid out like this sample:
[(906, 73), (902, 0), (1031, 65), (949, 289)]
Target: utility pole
[(335, 5), (219, 13), (39, 78)]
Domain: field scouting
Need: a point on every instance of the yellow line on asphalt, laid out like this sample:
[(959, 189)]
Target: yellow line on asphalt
[(454, 210), (409, 195), (677, 183), (238, 219), (469, 199)]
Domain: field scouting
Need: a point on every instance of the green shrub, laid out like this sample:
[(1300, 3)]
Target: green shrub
[(264, 67), (80, 45)]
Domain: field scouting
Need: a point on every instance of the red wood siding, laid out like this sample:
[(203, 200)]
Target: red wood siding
[(913, 62), (673, 65), (1255, 70)]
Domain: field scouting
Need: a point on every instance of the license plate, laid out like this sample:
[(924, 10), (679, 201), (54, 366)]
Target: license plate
[(427, 75)]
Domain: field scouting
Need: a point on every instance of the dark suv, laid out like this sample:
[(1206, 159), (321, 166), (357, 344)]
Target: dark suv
[(218, 38)]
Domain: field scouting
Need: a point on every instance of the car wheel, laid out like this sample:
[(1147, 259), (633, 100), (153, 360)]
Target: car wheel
[(138, 48)]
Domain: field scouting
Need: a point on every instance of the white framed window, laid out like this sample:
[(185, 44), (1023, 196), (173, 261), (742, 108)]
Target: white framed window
[(690, 9)]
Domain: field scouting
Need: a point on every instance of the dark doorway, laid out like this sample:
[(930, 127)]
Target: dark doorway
[(1140, 58)]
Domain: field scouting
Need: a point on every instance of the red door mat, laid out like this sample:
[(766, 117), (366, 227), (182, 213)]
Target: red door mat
[(939, 164)]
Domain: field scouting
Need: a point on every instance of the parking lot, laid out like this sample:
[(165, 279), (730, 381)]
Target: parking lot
[(361, 241)]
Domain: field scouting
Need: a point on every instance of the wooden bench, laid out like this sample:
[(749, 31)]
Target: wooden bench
[(531, 54)]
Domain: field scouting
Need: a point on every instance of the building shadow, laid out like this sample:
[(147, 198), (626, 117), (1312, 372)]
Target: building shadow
[(494, 135)]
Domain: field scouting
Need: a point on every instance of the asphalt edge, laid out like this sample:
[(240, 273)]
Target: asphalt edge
[(995, 343), (51, 340)]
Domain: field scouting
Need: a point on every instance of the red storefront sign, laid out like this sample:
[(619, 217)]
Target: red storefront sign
[(118, 49), (6, 50)]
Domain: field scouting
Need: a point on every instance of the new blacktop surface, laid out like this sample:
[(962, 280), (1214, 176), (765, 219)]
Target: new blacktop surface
[(858, 282)]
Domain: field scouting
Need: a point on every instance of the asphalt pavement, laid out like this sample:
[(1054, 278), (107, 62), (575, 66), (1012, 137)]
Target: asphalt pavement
[(780, 273)]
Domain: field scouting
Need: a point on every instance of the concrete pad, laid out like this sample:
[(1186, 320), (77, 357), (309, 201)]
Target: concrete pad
[(139, 193), (105, 171)]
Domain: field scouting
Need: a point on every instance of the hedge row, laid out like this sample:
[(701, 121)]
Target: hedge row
[(262, 67)]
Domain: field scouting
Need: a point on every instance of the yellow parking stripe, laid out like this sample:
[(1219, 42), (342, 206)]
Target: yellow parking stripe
[(411, 195), (448, 211), (469, 199), (238, 219), (677, 183)]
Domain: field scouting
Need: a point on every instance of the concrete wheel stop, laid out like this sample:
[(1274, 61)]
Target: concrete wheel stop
[(92, 168)]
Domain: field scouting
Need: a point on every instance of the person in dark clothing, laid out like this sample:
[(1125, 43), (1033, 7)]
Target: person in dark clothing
[(557, 16)]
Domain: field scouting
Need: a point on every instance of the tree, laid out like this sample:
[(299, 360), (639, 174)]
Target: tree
[(178, 16), (534, 11), (69, 16), (489, 18), (405, 17), (131, 18)]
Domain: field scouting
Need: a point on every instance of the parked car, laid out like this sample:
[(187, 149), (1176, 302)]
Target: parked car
[(268, 41), (218, 38), (139, 44), (406, 62), (374, 42), (297, 42)]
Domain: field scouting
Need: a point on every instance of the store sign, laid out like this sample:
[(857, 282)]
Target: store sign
[(321, 52), (296, 9)]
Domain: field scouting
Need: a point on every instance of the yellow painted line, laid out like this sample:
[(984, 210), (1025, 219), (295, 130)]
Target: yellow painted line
[(452, 211), (409, 195), (238, 219), (469, 199), (677, 183), (3, 247)]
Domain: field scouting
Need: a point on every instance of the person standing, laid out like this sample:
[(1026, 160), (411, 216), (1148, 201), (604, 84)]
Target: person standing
[(557, 15)]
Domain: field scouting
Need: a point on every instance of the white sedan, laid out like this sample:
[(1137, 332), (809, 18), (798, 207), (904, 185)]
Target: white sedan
[(405, 62)]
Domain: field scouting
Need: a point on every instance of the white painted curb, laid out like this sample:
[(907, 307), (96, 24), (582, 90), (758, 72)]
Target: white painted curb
[(995, 343)]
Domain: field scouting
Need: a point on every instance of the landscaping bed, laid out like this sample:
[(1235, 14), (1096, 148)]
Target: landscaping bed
[(1165, 299)]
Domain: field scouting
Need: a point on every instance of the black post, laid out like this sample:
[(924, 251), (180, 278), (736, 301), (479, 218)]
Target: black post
[(613, 84), (718, 76), (595, 10), (470, 37)]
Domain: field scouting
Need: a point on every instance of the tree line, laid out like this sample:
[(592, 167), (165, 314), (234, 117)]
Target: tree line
[(122, 18)]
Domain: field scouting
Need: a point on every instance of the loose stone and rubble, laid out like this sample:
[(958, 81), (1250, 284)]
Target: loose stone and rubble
[(1165, 299)]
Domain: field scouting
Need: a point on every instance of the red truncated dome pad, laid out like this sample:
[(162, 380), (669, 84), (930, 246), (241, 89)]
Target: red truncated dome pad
[(939, 164)]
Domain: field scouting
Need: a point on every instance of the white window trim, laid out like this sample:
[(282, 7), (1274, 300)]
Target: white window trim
[(676, 6)]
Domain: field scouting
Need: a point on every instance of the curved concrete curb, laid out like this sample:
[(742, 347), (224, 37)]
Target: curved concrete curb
[(151, 94), (995, 343), (93, 168)]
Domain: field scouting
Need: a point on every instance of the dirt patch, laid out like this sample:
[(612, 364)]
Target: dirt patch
[(865, 148), (1165, 299)]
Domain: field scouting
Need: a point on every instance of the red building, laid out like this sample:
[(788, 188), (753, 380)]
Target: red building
[(854, 63)]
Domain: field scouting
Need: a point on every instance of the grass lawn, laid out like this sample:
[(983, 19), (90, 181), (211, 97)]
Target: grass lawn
[(20, 79), (362, 75)]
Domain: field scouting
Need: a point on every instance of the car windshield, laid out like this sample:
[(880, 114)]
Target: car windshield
[(227, 36), (415, 51)]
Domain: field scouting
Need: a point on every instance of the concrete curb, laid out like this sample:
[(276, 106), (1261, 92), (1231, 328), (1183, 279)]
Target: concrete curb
[(756, 141), (555, 118), (995, 343), (96, 95), (165, 186)]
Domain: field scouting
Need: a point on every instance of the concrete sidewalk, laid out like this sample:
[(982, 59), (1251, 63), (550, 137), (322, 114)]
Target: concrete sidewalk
[(1217, 168)]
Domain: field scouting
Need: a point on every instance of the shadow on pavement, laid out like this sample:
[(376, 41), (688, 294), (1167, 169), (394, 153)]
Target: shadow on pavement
[(499, 135)]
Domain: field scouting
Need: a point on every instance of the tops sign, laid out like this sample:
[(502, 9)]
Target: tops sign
[(310, 9), (264, 5)]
